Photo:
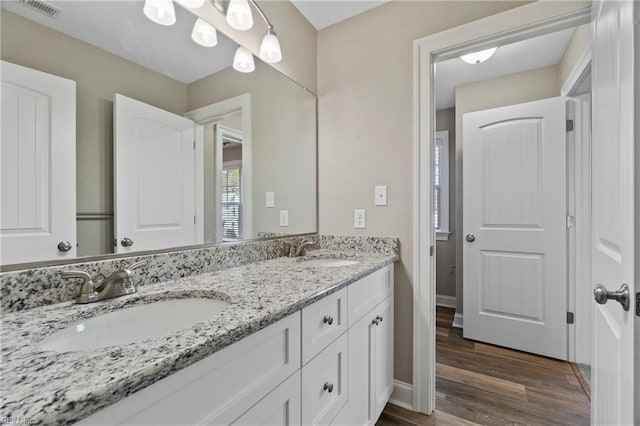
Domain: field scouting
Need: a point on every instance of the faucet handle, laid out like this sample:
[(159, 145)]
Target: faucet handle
[(87, 290), (137, 265)]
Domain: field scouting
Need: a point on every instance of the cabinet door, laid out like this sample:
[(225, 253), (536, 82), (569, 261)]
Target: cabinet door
[(382, 357), (280, 407)]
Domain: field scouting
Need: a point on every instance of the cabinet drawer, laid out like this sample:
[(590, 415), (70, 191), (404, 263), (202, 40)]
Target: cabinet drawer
[(322, 323), (367, 292), (324, 384), (217, 389)]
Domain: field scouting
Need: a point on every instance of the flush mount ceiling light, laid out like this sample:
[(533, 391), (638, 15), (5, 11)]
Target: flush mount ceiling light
[(204, 33), (479, 57), (243, 60), (238, 15)]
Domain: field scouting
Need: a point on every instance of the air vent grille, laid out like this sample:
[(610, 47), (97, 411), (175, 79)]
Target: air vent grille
[(42, 7)]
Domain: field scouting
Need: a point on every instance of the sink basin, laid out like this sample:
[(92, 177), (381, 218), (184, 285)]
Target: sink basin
[(133, 324), (329, 263)]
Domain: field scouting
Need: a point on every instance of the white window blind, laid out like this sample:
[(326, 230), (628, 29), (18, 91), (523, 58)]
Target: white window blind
[(232, 203), (441, 182)]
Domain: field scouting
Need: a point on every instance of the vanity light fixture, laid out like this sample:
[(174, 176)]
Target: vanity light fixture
[(479, 57), (193, 4), (243, 60), (270, 47), (160, 11), (204, 33), (239, 15)]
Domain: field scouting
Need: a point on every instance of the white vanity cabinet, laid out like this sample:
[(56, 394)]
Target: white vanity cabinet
[(330, 363)]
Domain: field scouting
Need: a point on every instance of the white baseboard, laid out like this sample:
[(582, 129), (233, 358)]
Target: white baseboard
[(458, 320), (402, 395), (446, 301)]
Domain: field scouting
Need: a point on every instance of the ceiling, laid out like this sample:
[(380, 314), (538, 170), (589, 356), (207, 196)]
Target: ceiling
[(525, 55), (121, 28), (322, 13)]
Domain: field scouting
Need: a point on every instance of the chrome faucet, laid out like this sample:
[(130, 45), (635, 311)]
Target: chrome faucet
[(300, 250), (119, 283)]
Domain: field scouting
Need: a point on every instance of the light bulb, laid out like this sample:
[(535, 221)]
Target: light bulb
[(243, 60), (478, 57), (192, 4), (160, 11), (239, 15), (204, 33), (270, 48)]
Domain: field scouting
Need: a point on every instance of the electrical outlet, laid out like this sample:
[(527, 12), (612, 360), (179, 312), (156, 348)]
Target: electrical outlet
[(381, 195), (284, 217), (270, 199), (359, 219)]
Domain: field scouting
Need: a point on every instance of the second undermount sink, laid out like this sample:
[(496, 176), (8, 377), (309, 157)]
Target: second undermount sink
[(133, 324), (329, 263)]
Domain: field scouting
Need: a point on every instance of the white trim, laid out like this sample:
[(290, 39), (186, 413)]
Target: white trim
[(516, 24), (580, 72), (458, 321), (571, 230), (442, 138), (219, 111), (402, 395), (198, 160), (446, 301)]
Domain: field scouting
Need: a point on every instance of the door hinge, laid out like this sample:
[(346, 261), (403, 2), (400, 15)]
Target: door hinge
[(194, 145), (194, 220), (571, 222), (431, 251), (569, 125), (570, 318)]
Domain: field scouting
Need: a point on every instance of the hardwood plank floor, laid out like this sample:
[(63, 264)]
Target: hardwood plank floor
[(481, 384)]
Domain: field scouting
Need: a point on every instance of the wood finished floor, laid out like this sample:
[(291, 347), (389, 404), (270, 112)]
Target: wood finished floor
[(477, 383)]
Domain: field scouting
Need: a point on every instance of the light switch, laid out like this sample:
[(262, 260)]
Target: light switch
[(284, 217), (381, 195), (270, 199), (359, 219)]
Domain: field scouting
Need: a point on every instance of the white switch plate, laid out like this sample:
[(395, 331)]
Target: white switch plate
[(270, 199), (284, 217), (359, 219), (381, 195)]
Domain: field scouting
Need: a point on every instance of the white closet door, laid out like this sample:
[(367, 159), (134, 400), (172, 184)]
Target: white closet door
[(515, 270), (155, 177), (38, 163)]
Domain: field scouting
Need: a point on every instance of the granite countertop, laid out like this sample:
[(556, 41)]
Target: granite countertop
[(62, 388)]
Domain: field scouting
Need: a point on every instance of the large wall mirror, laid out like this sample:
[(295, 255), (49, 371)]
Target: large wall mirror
[(120, 135)]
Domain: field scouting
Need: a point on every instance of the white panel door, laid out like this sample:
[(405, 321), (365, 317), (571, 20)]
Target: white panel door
[(514, 202), (613, 214), (155, 177), (38, 163)]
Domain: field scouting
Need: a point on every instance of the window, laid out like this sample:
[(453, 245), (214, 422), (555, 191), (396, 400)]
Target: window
[(231, 201), (441, 185)]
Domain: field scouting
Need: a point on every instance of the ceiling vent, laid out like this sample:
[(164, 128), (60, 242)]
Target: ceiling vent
[(42, 7)]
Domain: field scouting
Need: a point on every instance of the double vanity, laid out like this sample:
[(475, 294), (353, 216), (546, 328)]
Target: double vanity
[(281, 340)]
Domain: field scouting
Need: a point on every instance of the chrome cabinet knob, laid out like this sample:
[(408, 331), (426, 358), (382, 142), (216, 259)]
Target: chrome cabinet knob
[(379, 318), (622, 296), (470, 238), (328, 387), (327, 320), (64, 246), (376, 321), (126, 242)]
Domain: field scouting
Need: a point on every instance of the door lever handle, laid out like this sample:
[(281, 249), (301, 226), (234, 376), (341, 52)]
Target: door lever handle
[(601, 295)]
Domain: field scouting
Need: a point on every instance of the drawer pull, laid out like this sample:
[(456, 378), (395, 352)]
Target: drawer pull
[(327, 320), (376, 321), (328, 387), (379, 317)]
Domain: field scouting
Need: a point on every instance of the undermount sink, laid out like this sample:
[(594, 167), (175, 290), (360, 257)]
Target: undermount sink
[(329, 263), (133, 324)]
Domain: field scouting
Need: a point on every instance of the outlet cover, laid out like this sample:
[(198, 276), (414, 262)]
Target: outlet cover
[(381, 195), (359, 219), (270, 199), (284, 217)]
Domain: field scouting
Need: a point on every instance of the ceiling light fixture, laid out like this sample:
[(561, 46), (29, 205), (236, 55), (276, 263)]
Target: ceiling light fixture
[(204, 33), (479, 57), (243, 60), (160, 11)]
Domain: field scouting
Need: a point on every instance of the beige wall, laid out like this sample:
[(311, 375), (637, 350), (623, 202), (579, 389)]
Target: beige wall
[(512, 89), (365, 89), (283, 143), (98, 75), (446, 250), (579, 42)]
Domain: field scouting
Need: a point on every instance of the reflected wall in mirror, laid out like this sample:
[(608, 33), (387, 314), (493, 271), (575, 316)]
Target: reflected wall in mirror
[(105, 48)]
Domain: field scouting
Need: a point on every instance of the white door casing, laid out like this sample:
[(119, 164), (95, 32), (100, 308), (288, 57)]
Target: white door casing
[(156, 168), (613, 215), (38, 152), (514, 179)]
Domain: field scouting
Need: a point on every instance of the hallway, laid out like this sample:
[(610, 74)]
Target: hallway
[(479, 383)]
